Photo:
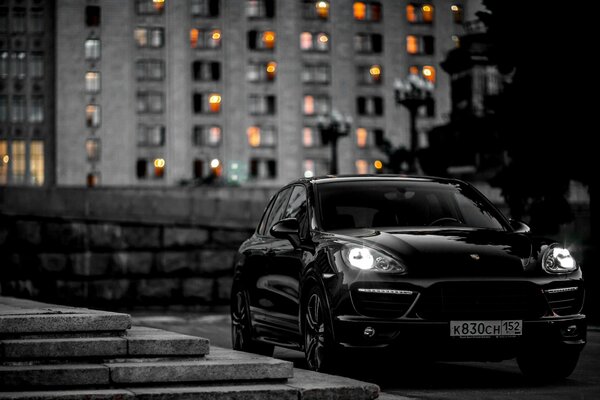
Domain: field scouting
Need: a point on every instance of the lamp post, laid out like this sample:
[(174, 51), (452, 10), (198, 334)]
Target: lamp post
[(332, 127), (413, 92)]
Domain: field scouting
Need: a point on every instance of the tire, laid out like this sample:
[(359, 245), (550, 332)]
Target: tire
[(548, 365), (321, 353), (241, 328)]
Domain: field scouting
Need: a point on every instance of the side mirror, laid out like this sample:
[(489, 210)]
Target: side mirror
[(519, 226), (287, 229)]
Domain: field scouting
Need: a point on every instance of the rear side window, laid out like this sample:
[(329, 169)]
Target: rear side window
[(263, 221), (277, 210)]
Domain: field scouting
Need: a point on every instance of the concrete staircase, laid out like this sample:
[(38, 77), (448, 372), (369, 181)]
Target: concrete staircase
[(50, 352)]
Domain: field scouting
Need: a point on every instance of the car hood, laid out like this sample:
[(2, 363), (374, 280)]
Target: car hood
[(453, 251)]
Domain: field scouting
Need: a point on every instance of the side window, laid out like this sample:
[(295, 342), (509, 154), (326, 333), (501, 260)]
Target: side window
[(276, 213), (263, 221), (297, 208)]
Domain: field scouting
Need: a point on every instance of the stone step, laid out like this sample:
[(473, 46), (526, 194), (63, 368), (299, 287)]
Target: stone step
[(137, 342), (224, 366), (20, 316), (303, 386)]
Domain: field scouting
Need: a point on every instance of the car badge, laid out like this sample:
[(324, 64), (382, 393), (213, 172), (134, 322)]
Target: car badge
[(475, 257)]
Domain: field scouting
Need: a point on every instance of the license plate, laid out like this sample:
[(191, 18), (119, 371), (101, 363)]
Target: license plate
[(486, 329)]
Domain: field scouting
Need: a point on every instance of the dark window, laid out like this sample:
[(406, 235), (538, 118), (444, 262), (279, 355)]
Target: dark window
[(206, 70), (205, 8), (379, 137), (260, 8), (141, 168), (92, 16), (369, 105), (198, 169), (368, 43)]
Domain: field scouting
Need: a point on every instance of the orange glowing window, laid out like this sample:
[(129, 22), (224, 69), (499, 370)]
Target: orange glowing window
[(427, 13), (307, 137), (361, 137), (309, 105), (375, 72), (253, 136), (159, 4), (322, 9), (194, 35), (412, 44), (268, 39), (271, 70), (362, 167), (411, 15), (429, 73), (159, 167), (413, 70), (214, 102), (360, 11)]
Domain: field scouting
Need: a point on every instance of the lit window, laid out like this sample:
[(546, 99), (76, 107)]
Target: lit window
[(271, 70), (308, 136), (419, 44), (204, 8), (206, 135), (261, 137), (306, 41), (361, 137), (205, 39), (206, 103), (309, 105), (362, 167), (322, 43), (314, 41), (159, 167), (92, 82), (92, 49), (419, 13), (18, 160), (92, 116), (456, 40), (268, 38), (360, 10), (36, 111), (253, 136), (92, 149), (369, 75), (429, 73), (93, 179), (322, 8), (92, 16), (367, 11), (457, 13)]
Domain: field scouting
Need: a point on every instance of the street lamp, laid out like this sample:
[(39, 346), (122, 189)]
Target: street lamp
[(413, 92), (332, 127)]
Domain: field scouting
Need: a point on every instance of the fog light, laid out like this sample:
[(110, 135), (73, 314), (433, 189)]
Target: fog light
[(369, 332), (570, 331)]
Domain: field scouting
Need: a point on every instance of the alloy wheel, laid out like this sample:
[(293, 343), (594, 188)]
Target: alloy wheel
[(315, 333)]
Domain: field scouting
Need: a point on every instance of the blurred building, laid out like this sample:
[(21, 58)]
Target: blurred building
[(163, 92)]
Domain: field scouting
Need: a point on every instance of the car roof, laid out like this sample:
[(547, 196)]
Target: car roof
[(378, 177)]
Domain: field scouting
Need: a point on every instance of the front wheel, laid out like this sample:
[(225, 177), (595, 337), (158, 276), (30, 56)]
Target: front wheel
[(548, 365), (320, 350), (241, 329)]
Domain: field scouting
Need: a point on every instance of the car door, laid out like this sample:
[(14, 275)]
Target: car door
[(287, 265), (257, 276)]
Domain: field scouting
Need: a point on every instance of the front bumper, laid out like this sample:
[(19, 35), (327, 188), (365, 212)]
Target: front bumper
[(433, 337)]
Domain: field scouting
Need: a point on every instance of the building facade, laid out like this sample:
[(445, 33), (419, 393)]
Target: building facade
[(165, 92)]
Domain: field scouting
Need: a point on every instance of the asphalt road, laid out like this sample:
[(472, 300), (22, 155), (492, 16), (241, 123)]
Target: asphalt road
[(421, 381)]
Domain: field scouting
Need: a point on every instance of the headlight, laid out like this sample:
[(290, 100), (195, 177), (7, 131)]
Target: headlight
[(366, 258), (558, 260)]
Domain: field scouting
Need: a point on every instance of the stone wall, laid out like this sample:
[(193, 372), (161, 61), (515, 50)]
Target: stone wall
[(119, 248)]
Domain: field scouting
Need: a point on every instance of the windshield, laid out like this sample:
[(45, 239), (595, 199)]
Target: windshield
[(394, 203)]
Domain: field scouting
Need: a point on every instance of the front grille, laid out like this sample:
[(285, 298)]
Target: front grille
[(565, 300), (481, 300), (387, 303)]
